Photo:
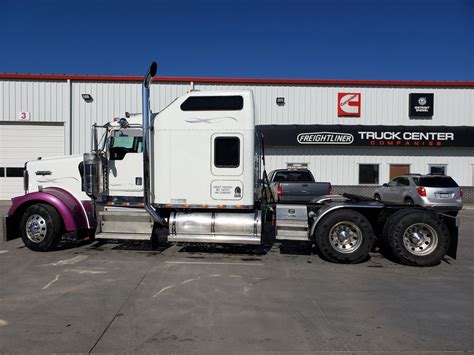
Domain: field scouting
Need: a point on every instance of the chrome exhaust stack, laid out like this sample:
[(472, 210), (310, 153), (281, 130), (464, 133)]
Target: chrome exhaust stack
[(147, 143)]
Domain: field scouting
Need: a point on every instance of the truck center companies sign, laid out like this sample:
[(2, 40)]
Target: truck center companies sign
[(366, 136)]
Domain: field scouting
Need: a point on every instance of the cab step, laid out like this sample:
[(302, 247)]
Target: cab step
[(124, 221), (123, 236)]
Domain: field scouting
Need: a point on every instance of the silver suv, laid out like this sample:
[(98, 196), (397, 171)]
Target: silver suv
[(423, 190)]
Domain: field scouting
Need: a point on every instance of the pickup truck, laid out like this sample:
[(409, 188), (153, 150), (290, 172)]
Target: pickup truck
[(296, 185)]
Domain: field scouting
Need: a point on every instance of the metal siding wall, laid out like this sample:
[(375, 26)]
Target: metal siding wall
[(304, 104), (341, 166), (47, 101), (113, 99), (380, 105)]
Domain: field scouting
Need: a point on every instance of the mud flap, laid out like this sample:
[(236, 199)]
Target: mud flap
[(9, 230), (453, 226)]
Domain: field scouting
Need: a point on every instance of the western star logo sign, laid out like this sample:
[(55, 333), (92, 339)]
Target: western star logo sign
[(348, 104), (325, 138)]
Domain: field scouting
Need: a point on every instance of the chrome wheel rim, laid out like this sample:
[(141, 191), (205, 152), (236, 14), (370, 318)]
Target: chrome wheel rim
[(36, 228), (345, 237), (420, 239)]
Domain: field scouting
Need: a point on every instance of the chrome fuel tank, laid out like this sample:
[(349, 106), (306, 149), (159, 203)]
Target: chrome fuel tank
[(216, 227)]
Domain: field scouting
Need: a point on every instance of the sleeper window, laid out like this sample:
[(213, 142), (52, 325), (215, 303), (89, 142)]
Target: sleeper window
[(227, 152), (213, 103)]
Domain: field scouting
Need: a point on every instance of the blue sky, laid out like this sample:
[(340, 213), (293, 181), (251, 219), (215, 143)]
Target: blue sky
[(341, 39)]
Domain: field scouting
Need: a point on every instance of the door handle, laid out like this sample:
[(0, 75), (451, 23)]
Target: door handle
[(43, 172)]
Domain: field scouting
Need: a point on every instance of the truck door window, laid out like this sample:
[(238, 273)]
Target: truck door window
[(226, 152), (121, 145)]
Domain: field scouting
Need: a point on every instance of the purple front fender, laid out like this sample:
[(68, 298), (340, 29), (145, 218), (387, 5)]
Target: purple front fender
[(73, 212)]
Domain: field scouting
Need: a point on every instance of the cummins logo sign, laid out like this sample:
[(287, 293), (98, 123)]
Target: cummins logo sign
[(348, 104), (325, 138)]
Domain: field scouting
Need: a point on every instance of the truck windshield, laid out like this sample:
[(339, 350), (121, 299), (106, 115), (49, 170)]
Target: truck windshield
[(293, 176), (435, 181)]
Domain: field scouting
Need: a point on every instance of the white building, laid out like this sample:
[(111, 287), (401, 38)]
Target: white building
[(351, 133)]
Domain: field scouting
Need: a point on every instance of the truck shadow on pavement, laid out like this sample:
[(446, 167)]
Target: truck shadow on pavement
[(259, 250)]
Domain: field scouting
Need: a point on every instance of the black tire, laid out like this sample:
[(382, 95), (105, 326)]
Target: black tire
[(49, 227), (409, 201), (393, 219), (426, 224), (386, 232), (335, 253), (377, 197)]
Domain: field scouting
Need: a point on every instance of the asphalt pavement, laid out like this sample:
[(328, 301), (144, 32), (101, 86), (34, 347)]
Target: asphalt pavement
[(112, 297)]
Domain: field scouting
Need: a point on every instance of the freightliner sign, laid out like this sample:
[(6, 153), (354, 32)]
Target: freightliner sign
[(367, 136)]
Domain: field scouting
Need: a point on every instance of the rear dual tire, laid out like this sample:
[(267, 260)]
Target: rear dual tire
[(416, 237), (344, 236)]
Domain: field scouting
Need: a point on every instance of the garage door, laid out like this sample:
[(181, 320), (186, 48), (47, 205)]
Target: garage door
[(20, 143)]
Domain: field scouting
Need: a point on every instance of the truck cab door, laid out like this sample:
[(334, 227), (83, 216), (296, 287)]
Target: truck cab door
[(125, 164), (227, 168)]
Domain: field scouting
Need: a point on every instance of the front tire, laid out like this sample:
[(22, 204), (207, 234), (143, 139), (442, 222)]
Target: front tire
[(41, 227), (377, 197), (419, 238), (344, 236)]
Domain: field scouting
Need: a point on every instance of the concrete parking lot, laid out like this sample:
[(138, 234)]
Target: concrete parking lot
[(123, 298)]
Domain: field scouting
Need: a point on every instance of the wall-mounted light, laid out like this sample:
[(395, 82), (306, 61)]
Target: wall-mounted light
[(87, 98), (280, 101)]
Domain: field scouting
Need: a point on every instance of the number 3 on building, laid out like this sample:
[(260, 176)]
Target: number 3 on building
[(24, 116)]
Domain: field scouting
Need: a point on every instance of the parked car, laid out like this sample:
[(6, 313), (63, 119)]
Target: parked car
[(296, 185), (422, 190)]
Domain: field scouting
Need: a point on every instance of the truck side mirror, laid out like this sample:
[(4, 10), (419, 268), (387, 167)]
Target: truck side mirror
[(385, 185)]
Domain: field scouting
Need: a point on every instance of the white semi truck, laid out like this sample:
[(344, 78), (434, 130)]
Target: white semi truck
[(195, 173)]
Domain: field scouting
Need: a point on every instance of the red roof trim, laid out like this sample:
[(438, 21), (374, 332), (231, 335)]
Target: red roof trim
[(242, 81)]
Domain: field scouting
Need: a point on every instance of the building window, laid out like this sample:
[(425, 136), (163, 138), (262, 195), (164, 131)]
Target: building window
[(14, 172), (437, 169), (213, 103), (227, 152), (368, 173)]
